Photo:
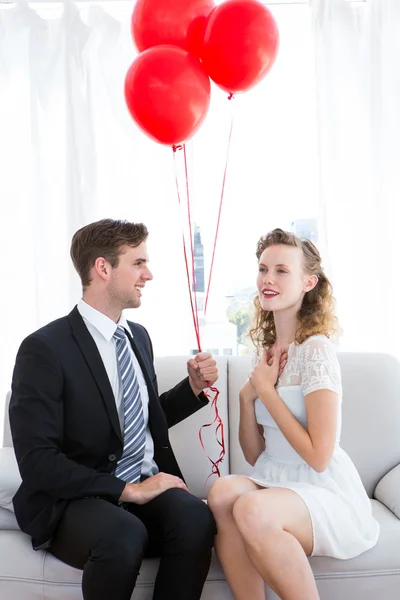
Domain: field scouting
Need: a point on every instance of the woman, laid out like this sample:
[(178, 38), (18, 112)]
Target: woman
[(304, 496)]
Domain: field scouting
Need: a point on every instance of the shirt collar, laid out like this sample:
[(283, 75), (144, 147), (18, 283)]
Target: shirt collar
[(100, 321)]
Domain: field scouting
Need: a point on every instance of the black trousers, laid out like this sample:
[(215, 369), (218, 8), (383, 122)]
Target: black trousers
[(109, 542)]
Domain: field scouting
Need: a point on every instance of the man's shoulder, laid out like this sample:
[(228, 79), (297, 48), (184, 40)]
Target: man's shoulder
[(139, 330), (54, 330)]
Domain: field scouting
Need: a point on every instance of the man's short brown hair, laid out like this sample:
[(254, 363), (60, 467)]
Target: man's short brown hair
[(103, 238)]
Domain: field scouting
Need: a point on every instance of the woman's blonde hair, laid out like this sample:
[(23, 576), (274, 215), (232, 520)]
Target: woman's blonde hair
[(317, 312)]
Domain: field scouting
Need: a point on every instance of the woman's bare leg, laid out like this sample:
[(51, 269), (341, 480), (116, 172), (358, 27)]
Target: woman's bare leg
[(243, 579), (277, 529)]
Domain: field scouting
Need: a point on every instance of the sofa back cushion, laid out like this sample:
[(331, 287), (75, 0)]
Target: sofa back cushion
[(371, 413), (371, 418), (192, 459), (7, 439)]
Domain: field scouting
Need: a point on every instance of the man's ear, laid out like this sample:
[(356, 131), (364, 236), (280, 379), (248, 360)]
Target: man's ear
[(311, 283), (102, 267)]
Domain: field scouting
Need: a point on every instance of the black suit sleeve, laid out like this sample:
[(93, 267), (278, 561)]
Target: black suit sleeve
[(180, 402), (37, 426)]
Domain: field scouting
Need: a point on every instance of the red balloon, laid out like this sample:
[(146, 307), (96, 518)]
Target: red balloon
[(177, 22), (240, 44), (168, 94)]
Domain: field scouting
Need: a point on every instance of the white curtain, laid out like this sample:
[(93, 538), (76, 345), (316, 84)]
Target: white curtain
[(357, 52), (70, 154)]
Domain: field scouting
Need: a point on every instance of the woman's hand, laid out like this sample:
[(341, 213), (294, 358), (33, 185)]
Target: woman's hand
[(248, 393), (266, 372), (282, 359)]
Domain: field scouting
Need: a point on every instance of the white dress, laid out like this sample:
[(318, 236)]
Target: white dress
[(339, 507)]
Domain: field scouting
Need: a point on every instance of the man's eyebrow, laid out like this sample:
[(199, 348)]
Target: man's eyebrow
[(142, 260)]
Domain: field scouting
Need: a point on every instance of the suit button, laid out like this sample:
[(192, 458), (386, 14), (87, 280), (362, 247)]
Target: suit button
[(112, 458)]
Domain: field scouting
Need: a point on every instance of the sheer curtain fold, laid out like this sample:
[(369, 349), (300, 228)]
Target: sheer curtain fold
[(70, 154), (49, 80), (357, 54)]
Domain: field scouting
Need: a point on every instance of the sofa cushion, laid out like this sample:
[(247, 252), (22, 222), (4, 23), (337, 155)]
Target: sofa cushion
[(371, 411), (385, 556), (41, 565), (388, 490), (192, 459), (8, 520), (10, 478), (238, 372), (7, 439)]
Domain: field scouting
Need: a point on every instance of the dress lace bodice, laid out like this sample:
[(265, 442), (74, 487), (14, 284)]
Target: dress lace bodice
[(313, 365)]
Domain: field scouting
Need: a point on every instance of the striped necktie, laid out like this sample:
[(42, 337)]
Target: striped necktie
[(130, 464)]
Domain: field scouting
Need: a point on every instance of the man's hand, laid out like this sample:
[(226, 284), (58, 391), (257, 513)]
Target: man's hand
[(202, 371), (141, 493)]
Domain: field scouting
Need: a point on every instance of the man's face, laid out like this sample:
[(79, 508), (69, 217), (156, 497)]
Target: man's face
[(128, 279)]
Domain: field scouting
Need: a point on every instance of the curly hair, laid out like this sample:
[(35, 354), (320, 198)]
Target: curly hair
[(317, 312)]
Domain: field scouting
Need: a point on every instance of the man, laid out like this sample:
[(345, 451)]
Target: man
[(101, 487)]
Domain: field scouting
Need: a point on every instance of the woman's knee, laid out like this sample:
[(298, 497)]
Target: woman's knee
[(253, 514), (225, 492), (260, 515)]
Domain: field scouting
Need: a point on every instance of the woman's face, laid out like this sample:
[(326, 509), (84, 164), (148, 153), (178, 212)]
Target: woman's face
[(281, 280)]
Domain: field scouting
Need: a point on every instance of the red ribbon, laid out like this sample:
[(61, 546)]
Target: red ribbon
[(219, 431), (230, 97), (193, 307)]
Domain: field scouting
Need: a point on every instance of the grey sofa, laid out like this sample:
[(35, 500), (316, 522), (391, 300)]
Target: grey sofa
[(371, 435)]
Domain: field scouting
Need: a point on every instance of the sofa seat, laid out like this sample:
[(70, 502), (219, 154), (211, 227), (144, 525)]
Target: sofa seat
[(7, 520), (362, 576), (371, 384), (47, 578)]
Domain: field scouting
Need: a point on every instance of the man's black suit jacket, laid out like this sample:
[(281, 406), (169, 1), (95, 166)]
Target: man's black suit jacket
[(65, 426)]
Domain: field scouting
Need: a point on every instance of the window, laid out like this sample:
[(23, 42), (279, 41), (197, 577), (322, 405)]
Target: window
[(71, 154)]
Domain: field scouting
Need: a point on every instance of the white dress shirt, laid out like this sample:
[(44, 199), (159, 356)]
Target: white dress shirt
[(102, 329)]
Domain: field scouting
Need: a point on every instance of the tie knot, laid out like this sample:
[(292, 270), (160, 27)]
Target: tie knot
[(119, 333)]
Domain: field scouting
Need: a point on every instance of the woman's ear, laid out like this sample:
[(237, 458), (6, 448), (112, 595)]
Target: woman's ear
[(311, 283)]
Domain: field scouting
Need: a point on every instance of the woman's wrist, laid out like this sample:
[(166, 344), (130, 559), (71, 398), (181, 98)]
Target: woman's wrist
[(267, 391), (246, 400)]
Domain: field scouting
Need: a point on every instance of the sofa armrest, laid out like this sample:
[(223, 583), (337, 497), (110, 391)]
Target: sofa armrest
[(388, 491), (10, 478)]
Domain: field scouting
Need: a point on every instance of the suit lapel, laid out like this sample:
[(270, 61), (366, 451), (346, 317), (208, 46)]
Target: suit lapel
[(93, 359), (157, 420), (140, 353)]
